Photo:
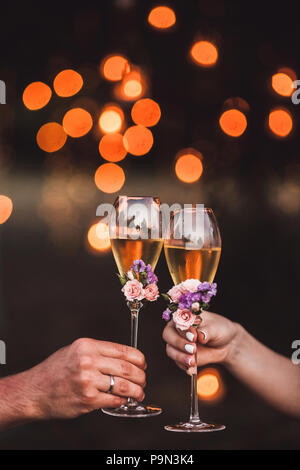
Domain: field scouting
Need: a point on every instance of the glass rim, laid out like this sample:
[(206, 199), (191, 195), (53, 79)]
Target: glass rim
[(138, 197), (204, 209)]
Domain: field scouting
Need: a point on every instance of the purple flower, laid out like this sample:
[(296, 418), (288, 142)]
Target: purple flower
[(206, 298), (151, 277), (183, 305), (138, 266), (190, 300), (207, 291), (166, 314), (196, 297), (186, 300), (203, 286), (213, 289)]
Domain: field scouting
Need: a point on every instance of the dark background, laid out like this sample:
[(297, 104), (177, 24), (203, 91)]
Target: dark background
[(55, 290)]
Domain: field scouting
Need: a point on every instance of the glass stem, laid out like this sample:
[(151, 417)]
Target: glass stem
[(194, 414), (134, 310), (134, 327)]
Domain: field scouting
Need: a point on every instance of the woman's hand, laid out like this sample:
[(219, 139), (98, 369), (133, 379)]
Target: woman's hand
[(218, 340), (214, 339)]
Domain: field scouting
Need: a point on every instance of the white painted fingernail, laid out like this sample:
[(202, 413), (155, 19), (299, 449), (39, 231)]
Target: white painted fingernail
[(188, 360), (189, 348), (204, 334), (189, 336)]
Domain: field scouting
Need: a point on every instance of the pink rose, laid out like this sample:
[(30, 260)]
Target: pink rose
[(151, 292), (133, 290), (191, 285), (175, 293), (183, 319)]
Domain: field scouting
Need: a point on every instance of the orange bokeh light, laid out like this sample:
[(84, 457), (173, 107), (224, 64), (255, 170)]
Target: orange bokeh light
[(51, 137), (109, 178), (204, 53), (282, 83), (146, 112), (188, 166), (162, 17), (67, 83), (138, 140), (114, 67), (209, 385), (111, 119), (36, 95), (280, 122), (111, 147), (233, 122), (133, 86), (77, 122), (98, 237), (6, 207)]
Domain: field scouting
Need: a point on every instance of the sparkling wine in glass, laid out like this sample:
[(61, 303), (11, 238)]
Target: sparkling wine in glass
[(135, 233), (126, 251), (192, 248)]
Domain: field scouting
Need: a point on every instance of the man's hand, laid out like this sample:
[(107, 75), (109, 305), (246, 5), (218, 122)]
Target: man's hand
[(72, 381)]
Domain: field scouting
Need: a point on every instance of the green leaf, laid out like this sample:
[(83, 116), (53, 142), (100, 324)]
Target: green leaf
[(173, 307), (166, 297), (143, 279), (122, 279), (205, 306)]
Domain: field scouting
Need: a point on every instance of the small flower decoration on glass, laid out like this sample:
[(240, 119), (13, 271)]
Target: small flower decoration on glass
[(186, 302), (139, 283)]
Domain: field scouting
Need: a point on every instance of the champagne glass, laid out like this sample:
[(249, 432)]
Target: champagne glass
[(135, 233), (192, 248)]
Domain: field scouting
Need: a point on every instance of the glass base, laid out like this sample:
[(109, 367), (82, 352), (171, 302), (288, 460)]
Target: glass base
[(138, 411), (191, 427)]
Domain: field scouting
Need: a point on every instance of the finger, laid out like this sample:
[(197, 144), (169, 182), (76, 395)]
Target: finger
[(208, 328), (173, 338), (206, 317), (203, 337), (190, 334), (205, 355), (108, 400), (121, 351), (192, 370), (121, 368), (185, 368), (178, 356), (122, 387)]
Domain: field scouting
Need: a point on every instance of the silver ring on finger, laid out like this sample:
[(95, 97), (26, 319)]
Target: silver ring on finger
[(112, 383)]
